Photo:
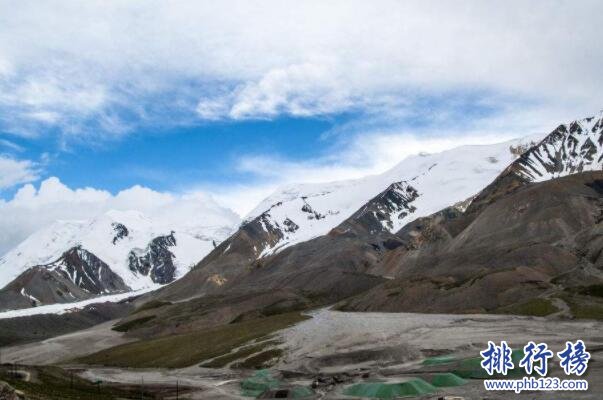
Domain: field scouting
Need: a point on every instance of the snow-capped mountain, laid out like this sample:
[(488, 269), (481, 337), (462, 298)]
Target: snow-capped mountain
[(76, 275), (138, 251), (419, 185), (424, 184), (332, 239), (569, 149)]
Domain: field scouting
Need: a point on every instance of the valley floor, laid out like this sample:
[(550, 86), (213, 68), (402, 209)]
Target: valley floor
[(337, 349)]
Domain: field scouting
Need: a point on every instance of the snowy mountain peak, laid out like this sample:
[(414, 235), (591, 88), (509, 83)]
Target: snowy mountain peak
[(571, 148), (418, 186), (384, 212), (112, 237)]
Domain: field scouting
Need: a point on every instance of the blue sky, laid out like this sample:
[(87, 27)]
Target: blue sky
[(173, 158), (216, 154), (234, 99)]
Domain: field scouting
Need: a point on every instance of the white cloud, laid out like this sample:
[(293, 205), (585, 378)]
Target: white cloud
[(14, 172), (103, 67), (239, 59), (32, 208), (11, 145), (354, 156)]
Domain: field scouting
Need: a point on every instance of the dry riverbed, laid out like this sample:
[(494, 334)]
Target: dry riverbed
[(335, 349)]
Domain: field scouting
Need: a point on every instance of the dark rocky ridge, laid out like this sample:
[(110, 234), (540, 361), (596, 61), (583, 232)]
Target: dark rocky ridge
[(518, 240), (76, 275), (121, 231), (556, 155), (394, 202), (522, 246), (333, 266), (156, 261), (320, 271), (451, 261)]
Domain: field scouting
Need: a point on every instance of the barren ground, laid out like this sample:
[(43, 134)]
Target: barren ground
[(351, 346)]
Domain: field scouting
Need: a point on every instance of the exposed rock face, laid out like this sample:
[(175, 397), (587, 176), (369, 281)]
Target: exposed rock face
[(290, 226), (521, 246), (569, 149), (307, 208), (156, 261), (88, 272), (76, 275), (329, 268), (364, 242), (109, 239), (380, 213), (120, 231), (517, 239), (235, 255), (7, 392)]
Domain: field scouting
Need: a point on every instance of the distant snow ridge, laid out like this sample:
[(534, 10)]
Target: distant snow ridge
[(141, 252), (569, 149), (418, 186), (424, 184)]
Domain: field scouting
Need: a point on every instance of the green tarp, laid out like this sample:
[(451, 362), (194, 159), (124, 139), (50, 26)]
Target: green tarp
[(300, 392), (257, 384), (447, 379), (472, 368), (382, 390), (263, 385)]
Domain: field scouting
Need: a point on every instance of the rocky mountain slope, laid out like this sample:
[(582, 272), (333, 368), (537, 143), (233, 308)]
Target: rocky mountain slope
[(415, 230), (298, 213), (77, 274), (114, 252), (418, 186), (539, 246), (460, 225)]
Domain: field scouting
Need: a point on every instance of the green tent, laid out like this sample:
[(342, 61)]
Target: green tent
[(263, 385), (382, 390), (257, 384), (472, 367), (300, 392), (447, 380)]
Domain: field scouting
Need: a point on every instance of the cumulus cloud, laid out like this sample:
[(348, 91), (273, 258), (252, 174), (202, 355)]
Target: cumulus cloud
[(105, 65), (14, 172), (32, 208)]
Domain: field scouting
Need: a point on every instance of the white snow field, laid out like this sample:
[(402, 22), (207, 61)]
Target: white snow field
[(62, 308), (97, 235), (441, 179)]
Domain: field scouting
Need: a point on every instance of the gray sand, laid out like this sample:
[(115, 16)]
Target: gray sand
[(386, 345)]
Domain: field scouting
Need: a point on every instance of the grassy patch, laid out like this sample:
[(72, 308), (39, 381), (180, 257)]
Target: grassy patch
[(53, 383), (535, 307), (583, 307), (584, 311), (592, 290), (152, 305), (126, 326), (177, 351)]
